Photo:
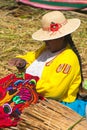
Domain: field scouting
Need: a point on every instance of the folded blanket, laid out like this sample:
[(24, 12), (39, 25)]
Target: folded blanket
[(57, 4)]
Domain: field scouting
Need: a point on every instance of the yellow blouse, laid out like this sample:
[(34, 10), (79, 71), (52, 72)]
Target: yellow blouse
[(61, 77)]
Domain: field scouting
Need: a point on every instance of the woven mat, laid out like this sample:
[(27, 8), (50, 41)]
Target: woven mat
[(49, 115)]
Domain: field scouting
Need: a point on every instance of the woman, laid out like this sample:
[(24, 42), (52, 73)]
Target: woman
[(58, 64)]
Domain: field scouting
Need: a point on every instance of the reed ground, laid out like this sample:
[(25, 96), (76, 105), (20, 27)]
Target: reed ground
[(18, 22)]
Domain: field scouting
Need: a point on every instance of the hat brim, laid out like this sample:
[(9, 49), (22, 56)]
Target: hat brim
[(68, 28)]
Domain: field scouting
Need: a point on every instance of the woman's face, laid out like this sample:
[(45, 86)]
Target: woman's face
[(56, 44)]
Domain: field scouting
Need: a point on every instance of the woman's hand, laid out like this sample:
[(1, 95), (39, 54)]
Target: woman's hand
[(18, 62)]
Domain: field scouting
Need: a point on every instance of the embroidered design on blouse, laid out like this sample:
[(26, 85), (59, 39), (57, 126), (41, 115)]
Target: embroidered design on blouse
[(60, 68), (65, 68)]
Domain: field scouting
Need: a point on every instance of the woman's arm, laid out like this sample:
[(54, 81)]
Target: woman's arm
[(27, 59)]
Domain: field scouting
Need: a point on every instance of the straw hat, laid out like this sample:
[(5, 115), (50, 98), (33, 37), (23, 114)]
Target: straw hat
[(55, 25)]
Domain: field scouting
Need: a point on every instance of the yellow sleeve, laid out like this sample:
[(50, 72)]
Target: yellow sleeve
[(32, 55), (61, 79)]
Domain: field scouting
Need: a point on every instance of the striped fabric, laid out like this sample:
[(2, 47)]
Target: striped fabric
[(57, 4)]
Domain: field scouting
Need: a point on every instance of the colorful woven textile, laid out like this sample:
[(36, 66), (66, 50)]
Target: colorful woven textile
[(57, 4), (16, 93)]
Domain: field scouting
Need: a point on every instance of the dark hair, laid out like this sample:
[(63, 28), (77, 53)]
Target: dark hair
[(68, 38)]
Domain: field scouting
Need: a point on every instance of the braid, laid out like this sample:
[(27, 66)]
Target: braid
[(70, 41)]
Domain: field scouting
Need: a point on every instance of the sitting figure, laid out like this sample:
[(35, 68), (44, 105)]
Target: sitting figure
[(57, 63)]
